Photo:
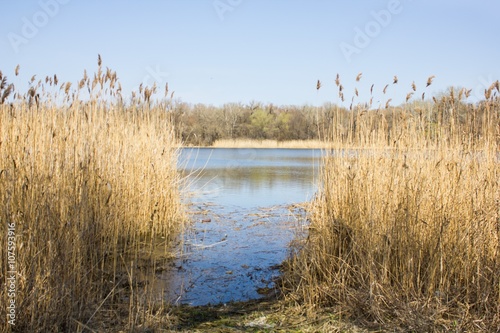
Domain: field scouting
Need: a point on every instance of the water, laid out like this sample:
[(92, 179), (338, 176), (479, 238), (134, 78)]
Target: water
[(244, 219)]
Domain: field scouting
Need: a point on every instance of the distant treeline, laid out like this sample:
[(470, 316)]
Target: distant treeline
[(202, 125)]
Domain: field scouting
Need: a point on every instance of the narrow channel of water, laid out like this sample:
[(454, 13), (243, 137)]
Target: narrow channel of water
[(244, 217)]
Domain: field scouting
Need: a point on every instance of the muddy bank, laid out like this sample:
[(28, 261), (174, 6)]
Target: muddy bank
[(264, 315)]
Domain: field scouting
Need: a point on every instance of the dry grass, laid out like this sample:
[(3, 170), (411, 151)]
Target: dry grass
[(291, 144), (93, 191), (405, 234)]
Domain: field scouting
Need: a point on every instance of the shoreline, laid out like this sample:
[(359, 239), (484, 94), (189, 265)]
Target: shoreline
[(266, 144)]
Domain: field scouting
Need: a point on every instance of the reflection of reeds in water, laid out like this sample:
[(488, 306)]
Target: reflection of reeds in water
[(92, 187), (406, 233)]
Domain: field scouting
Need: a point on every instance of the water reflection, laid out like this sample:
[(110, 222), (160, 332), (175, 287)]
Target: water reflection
[(245, 193)]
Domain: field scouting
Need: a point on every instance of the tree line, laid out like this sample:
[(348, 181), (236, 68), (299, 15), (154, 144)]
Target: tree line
[(202, 125)]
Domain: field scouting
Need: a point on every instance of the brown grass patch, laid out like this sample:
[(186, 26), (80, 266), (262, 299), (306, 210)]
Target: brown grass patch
[(405, 234), (92, 192)]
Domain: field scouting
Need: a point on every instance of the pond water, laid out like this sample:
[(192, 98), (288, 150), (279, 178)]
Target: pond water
[(244, 213)]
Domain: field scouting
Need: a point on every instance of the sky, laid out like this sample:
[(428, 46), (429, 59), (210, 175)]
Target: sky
[(269, 51)]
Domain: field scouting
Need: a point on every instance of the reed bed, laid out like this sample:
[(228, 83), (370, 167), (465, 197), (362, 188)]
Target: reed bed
[(405, 233), (289, 144), (91, 186)]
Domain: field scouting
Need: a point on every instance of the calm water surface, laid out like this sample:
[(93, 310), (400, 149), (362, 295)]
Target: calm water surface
[(246, 194)]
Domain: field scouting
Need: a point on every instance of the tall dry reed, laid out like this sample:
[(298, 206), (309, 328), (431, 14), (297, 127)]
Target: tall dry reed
[(91, 186), (405, 229)]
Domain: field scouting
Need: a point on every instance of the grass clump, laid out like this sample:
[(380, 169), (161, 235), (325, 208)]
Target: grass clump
[(405, 230), (90, 184)]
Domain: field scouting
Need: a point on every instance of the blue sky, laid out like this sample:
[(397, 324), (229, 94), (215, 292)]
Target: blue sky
[(272, 51)]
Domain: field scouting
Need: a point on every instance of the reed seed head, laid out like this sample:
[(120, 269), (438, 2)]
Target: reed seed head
[(429, 80), (385, 89), (408, 96), (388, 103)]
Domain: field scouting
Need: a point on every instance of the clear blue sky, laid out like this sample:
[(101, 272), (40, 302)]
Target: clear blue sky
[(218, 51)]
